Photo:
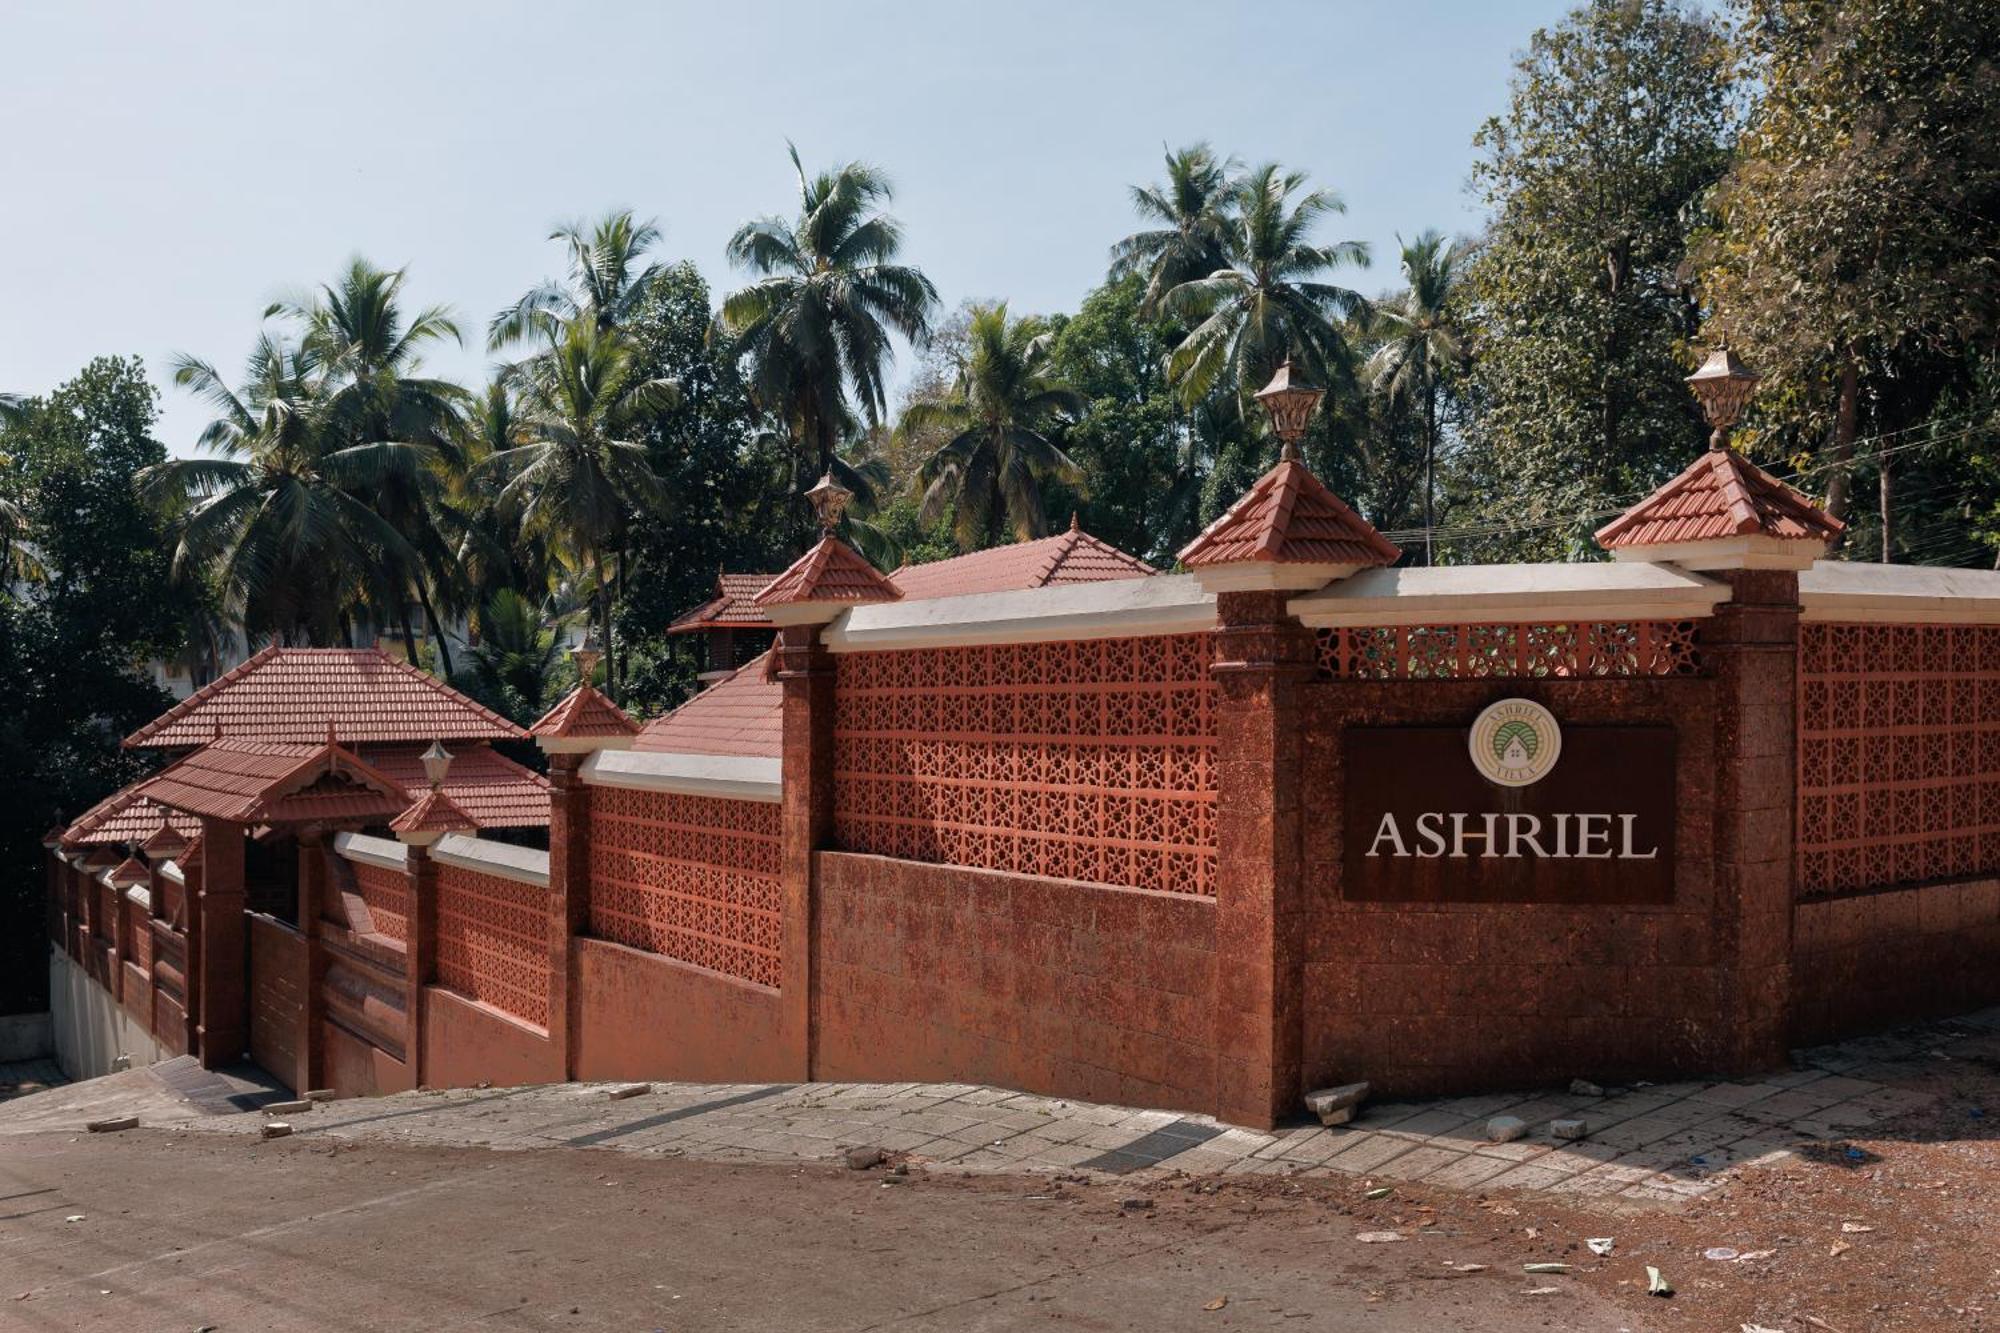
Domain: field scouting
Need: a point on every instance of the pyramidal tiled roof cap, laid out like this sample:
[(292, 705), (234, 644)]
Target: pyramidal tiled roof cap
[(292, 695), (1288, 531), (129, 873), (430, 817), (822, 582), (734, 606), (584, 720), (1723, 512)]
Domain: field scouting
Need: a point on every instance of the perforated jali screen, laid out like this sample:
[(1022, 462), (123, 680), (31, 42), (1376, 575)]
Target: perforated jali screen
[(493, 941), (1088, 760)]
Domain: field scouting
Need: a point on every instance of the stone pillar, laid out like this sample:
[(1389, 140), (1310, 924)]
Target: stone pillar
[(1752, 646), (121, 942), (191, 881), (224, 1033), (805, 669), (312, 1004), (569, 899), (1264, 657), (419, 953)]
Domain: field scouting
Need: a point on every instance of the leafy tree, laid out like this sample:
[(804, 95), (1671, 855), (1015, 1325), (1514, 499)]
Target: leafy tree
[(991, 470), (1419, 345), (579, 472), (815, 325), (1620, 117), (605, 286), (517, 667), (1852, 254), (1267, 304), (73, 646), (1196, 222)]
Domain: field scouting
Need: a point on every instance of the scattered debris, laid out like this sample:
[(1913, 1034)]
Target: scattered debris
[(1506, 1128), (1545, 1268), (1758, 1328), (74, 1217), (276, 1129), (289, 1108), (1855, 1228), (113, 1125), (903, 1169), (1379, 1237), (861, 1159), (1465, 1268), (619, 1094), (319, 1094), (1569, 1129), (1838, 1248), (1136, 1205), (1600, 1245), (1751, 1256), (1656, 1283), (1379, 1192), (1583, 1087), (1336, 1106), (1721, 1254), (1217, 1303), (1541, 1291)]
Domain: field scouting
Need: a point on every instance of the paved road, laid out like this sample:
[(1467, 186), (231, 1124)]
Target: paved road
[(182, 1230)]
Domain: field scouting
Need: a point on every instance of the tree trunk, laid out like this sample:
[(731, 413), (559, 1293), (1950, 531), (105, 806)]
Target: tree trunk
[(1430, 465), (409, 636), (1888, 519), (437, 630), (1846, 417)]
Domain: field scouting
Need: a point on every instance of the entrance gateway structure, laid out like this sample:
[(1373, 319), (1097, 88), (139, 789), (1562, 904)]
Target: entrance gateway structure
[(1042, 818)]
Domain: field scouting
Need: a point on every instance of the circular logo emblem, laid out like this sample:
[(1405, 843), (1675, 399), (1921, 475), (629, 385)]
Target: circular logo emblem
[(1515, 742)]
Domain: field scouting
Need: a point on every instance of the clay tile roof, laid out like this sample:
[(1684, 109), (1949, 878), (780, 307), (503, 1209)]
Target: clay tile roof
[(169, 834), (129, 872), (1068, 557), (492, 790), (832, 571), (734, 606), (1289, 517), (271, 782), (1721, 494), (741, 714), (584, 712), (433, 812), (123, 816), (292, 694)]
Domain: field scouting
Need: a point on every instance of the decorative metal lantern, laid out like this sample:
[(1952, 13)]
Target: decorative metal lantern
[(437, 763), (1290, 399), (1723, 386), (829, 500), (586, 655)]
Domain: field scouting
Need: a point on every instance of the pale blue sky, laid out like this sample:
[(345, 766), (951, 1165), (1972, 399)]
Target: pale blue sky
[(169, 169)]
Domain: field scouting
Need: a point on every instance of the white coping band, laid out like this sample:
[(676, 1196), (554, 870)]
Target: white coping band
[(172, 870), (1855, 592), (731, 777), (1511, 594), (525, 865), (384, 852), (1112, 609)]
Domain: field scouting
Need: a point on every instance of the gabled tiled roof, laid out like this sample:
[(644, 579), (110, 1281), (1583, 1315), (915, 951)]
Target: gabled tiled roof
[(584, 712), (128, 873), (493, 790), (271, 782), (1068, 557), (741, 714), (123, 816), (734, 606), (1289, 517), (1721, 494), (291, 695), (433, 812), (832, 571)]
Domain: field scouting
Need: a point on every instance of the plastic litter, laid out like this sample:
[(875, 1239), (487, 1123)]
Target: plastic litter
[(1855, 1228), (1545, 1268), (1656, 1283), (1599, 1245), (1379, 1237), (1721, 1254)]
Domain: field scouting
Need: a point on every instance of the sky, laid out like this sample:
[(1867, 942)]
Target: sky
[(169, 170)]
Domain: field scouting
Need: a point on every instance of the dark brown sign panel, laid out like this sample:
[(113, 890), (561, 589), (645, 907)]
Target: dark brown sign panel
[(1424, 825)]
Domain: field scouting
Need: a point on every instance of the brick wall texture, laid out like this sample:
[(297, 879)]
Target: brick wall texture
[(1870, 960)]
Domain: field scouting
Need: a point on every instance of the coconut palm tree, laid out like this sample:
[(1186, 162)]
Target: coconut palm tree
[(1191, 241), (392, 433), (1418, 342), (270, 523), (580, 468), (514, 667), (815, 324), (604, 286), (999, 411), (1268, 302)]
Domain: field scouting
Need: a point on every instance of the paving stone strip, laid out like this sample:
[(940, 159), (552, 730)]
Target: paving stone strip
[(668, 1117)]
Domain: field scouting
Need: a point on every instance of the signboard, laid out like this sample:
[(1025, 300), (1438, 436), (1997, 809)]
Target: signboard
[(1514, 809)]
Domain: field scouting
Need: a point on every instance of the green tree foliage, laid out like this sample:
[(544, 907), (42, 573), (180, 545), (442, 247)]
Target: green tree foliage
[(1853, 254), (991, 469), (605, 284), (1419, 346), (815, 326), (73, 645), (1194, 210), (1619, 120), (517, 667)]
